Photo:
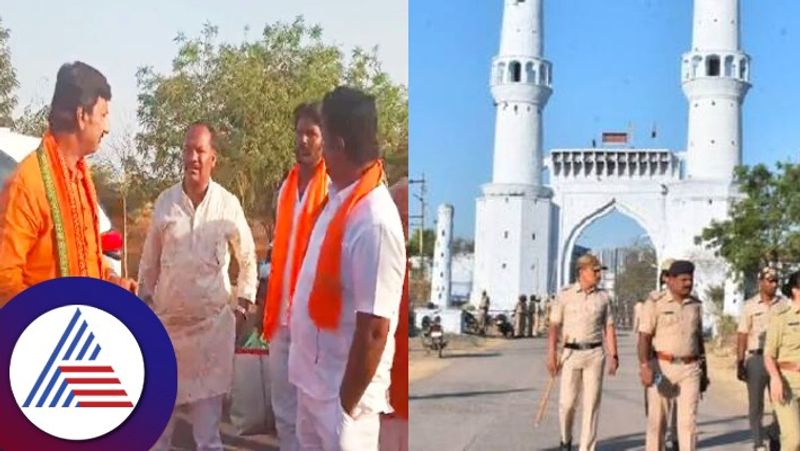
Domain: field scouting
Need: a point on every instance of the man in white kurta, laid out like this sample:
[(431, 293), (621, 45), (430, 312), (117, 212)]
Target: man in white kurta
[(372, 272), (184, 275)]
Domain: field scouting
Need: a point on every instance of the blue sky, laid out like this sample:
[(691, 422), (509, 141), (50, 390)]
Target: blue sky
[(119, 36), (614, 63)]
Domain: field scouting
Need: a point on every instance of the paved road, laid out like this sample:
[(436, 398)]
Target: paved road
[(486, 401)]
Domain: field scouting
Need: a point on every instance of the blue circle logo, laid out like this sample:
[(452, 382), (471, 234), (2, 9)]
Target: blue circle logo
[(90, 367)]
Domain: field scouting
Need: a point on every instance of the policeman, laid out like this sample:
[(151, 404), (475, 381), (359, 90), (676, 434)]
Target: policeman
[(484, 312), (671, 346), (671, 440), (752, 332), (520, 315), (534, 312), (782, 360), (581, 314)]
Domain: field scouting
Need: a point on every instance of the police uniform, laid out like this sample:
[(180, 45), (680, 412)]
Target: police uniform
[(671, 439), (532, 318), (675, 327), (783, 345), (520, 314), (753, 322), (583, 316)]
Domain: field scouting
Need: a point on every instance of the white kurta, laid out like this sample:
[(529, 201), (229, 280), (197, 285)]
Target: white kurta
[(184, 268)]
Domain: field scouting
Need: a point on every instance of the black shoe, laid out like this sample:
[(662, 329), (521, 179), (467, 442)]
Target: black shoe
[(565, 446)]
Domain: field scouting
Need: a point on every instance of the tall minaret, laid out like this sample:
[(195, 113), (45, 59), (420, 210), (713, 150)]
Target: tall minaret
[(520, 87), (514, 214), (716, 75)]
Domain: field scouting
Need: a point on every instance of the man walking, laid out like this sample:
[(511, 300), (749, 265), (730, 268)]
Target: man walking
[(582, 316), (752, 333), (670, 344)]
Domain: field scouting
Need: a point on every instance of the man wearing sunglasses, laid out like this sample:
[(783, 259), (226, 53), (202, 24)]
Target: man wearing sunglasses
[(750, 349)]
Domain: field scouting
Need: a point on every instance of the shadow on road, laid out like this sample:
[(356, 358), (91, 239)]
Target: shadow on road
[(636, 441), (469, 394)]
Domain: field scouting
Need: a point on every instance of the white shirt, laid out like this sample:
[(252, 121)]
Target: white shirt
[(184, 267), (373, 269), (299, 203)]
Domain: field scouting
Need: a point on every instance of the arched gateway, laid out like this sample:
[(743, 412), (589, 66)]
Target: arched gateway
[(525, 231)]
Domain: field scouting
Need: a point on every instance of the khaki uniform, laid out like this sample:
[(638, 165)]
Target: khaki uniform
[(676, 328), (753, 322), (531, 319), (583, 317), (637, 312), (520, 314), (783, 344)]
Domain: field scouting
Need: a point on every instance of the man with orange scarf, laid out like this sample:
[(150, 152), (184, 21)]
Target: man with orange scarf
[(48, 209), (394, 426), (347, 297), (299, 201)]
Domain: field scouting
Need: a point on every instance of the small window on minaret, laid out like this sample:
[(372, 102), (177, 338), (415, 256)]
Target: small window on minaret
[(712, 66), (505, 234), (533, 236), (516, 71)]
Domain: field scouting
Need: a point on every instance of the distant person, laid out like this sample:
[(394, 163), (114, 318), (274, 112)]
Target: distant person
[(483, 310), (48, 208), (520, 314)]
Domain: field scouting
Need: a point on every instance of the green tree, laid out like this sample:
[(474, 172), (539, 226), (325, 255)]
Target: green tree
[(637, 277), (761, 228), (33, 120), (428, 237), (249, 91), (463, 246), (8, 79)]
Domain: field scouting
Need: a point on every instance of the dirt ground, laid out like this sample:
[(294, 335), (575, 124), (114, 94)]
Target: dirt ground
[(423, 363)]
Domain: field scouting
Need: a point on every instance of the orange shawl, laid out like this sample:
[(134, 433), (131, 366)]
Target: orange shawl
[(317, 192), (65, 208), (325, 301)]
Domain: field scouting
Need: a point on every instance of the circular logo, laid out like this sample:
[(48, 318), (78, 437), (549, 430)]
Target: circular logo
[(90, 366), (77, 372)]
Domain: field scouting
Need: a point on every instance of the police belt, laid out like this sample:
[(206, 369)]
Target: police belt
[(583, 346), (756, 351), (676, 359)]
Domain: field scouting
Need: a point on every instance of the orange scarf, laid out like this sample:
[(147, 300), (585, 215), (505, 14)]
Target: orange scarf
[(317, 192), (325, 301), (66, 207)]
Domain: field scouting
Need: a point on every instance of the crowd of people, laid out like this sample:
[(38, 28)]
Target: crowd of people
[(336, 299), (671, 355)]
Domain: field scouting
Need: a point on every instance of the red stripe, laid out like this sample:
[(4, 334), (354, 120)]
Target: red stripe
[(99, 392), (90, 380), (105, 404), (86, 369)]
